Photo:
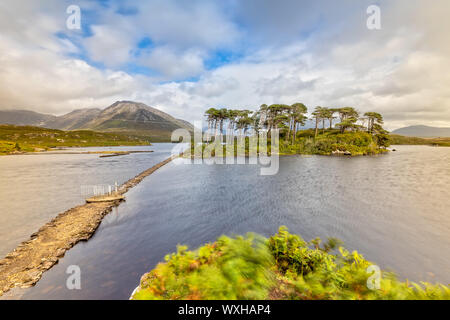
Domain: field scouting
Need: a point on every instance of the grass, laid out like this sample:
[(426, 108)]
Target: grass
[(17, 139), (326, 143), (399, 140), (332, 140), (283, 267)]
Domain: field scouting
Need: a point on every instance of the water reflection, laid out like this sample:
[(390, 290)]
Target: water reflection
[(392, 208), (35, 188)]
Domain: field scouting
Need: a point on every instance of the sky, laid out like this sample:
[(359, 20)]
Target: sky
[(183, 57)]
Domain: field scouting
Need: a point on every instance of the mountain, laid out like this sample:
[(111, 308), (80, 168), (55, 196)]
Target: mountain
[(73, 120), (128, 115), (24, 117), (122, 117), (423, 131)]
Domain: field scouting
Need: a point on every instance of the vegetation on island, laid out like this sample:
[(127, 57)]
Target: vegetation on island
[(337, 130), (283, 267), (19, 139)]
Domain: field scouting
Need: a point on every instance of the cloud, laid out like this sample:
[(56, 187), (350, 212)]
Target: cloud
[(316, 52), (199, 23), (176, 29), (284, 85), (172, 64), (110, 45)]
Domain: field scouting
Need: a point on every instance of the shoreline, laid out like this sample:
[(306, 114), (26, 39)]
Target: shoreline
[(63, 150), (101, 153), (24, 266), (333, 154)]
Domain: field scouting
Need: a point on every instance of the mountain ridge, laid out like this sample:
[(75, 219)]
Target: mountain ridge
[(122, 116), (423, 131), (24, 117)]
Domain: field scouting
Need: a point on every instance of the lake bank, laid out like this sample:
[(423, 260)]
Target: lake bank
[(25, 139), (103, 154), (24, 266), (62, 150)]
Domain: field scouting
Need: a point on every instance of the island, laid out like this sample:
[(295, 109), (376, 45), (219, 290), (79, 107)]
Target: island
[(351, 135)]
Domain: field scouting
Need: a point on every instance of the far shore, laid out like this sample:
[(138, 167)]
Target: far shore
[(102, 153), (67, 150)]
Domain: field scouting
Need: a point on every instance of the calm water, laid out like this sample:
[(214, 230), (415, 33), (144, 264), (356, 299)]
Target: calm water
[(393, 208), (35, 188)]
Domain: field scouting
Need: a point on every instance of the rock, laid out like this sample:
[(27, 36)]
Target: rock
[(12, 255), (31, 277), (47, 265), (341, 153), (60, 252)]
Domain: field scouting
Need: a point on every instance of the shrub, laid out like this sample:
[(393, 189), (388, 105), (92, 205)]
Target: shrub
[(282, 267), (231, 268)]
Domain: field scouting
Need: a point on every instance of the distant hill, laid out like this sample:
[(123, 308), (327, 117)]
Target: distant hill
[(25, 117), (123, 116), (423, 131), (73, 120), (17, 139)]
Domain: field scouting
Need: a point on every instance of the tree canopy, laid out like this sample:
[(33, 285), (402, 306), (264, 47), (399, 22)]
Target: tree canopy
[(289, 118)]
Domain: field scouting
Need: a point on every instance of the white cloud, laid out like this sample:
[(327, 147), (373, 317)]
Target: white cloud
[(172, 64), (186, 25), (314, 52), (109, 45), (181, 33)]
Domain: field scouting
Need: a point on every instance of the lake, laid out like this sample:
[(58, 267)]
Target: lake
[(394, 209), (34, 188)]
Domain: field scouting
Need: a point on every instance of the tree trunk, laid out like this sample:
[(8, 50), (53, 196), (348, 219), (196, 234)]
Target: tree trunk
[(289, 130), (269, 131), (295, 131), (317, 128)]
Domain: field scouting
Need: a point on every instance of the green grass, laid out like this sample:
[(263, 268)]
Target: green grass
[(283, 267), (399, 140), (327, 142), (30, 139)]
